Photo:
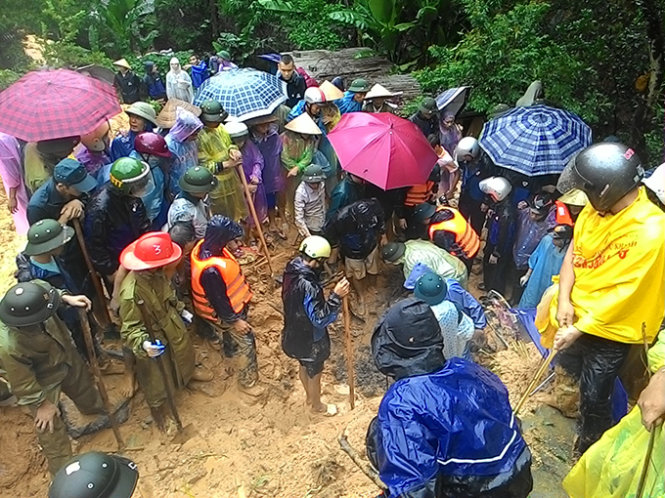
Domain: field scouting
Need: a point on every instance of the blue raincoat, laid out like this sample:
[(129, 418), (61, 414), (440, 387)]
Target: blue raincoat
[(545, 262), (347, 104), (455, 422)]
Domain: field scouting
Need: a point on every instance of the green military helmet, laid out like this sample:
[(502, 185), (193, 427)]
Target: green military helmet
[(198, 180), (95, 475), (431, 288), (359, 85), (313, 174), (423, 212), (393, 251), (212, 112), (127, 172), (428, 105), (47, 235), (28, 303)]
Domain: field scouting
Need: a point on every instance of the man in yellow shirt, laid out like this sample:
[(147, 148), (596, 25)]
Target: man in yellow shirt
[(612, 290)]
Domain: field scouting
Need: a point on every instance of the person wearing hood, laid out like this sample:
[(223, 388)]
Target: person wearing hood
[(354, 97), (307, 314), (221, 296), (221, 156), (450, 133), (94, 152), (151, 148), (182, 142), (11, 173), (543, 264), (40, 159), (116, 215), (252, 166), (501, 230), (126, 82), (153, 82), (358, 230), (142, 117), (264, 134), (147, 260), (444, 428), (178, 82)]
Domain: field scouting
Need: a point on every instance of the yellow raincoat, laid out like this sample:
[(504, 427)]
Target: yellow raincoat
[(619, 263), (611, 467), (227, 199)]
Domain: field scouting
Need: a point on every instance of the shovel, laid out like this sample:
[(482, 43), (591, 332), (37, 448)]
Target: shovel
[(184, 433)]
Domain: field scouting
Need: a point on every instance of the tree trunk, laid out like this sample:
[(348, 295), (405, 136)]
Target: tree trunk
[(656, 37), (214, 19)]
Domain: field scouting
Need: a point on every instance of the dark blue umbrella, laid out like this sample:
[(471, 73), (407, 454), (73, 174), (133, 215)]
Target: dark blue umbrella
[(535, 140), (244, 93)]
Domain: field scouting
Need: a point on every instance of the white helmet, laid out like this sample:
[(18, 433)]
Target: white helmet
[(467, 146), (497, 187), (314, 95), (98, 139)]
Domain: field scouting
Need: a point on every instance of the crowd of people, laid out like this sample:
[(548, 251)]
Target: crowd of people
[(165, 212)]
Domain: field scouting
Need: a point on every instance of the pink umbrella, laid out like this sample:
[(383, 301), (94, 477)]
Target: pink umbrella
[(383, 149)]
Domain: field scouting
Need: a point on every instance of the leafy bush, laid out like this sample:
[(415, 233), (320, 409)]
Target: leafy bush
[(7, 77)]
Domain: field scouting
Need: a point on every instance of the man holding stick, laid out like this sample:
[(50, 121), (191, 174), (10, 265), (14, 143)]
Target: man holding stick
[(611, 291), (307, 314)]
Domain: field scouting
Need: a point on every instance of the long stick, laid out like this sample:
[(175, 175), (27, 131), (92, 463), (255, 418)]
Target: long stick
[(162, 368), (252, 210), (87, 336), (353, 454), (652, 436), (539, 373), (348, 342), (96, 282)]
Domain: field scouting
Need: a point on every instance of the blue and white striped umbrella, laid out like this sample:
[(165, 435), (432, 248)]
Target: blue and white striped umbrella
[(535, 140), (244, 93)]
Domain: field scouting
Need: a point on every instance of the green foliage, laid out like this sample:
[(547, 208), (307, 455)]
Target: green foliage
[(7, 77), (123, 26)]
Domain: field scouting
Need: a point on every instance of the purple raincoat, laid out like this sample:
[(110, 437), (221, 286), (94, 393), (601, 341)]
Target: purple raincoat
[(270, 146), (11, 173), (252, 165)]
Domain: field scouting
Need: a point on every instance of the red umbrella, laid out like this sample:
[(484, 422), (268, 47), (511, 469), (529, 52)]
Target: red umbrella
[(383, 149), (44, 105)]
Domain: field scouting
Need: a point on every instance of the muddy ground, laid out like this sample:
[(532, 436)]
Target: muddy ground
[(245, 447)]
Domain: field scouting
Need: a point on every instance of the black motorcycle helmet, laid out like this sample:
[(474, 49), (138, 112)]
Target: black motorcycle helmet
[(605, 172)]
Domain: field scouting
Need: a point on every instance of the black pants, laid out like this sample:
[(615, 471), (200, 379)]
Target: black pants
[(596, 363), (494, 276), (470, 209)]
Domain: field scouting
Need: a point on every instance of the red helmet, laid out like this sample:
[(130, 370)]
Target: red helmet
[(149, 251), (151, 144)]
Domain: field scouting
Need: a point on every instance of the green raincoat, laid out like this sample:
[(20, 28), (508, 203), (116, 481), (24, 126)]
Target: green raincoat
[(227, 199), (438, 260), (154, 288)]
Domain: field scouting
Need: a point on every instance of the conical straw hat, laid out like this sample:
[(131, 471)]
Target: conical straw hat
[(122, 63), (166, 117), (378, 91), (331, 91), (303, 124)]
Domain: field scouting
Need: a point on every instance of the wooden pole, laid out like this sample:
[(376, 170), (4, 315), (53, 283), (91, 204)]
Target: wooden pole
[(257, 222), (539, 373), (355, 457), (87, 336), (348, 342), (170, 397), (96, 282)]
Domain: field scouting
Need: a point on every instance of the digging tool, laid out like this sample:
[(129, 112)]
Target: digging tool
[(348, 342), (87, 336), (96, 282), (353, 454), (539, 373), (252, 210), (183, 433), (652, 435)]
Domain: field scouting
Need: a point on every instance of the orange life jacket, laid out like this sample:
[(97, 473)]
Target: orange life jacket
[(237, 290), (563, 216), (419, 194), (465, 237)]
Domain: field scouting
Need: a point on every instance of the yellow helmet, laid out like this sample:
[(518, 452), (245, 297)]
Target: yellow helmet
[(315, 247)]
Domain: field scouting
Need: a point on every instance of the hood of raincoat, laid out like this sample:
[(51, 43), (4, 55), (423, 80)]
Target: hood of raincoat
[(186, 123), (407, 341), (174, 64), (219, 232)]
